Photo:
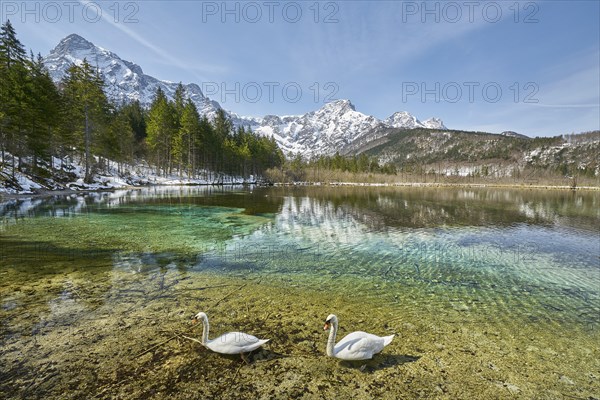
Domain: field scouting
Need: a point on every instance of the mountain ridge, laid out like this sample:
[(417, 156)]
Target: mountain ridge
[(334, 127), (125, 80)]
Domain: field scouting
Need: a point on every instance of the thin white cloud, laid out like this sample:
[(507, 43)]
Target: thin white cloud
[(167, 58), (377, 35), (596, 105), (579, 89)]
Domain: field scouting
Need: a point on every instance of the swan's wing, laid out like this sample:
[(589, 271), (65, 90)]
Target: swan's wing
[(388, 339), (235, 343), (358, 346)]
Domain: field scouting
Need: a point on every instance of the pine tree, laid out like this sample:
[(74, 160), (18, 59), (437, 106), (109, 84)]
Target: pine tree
[(179, 103), (205, 136), (190, 136), (136, 116), (13, 96), (87, 108), (161, 129), (222, 128), (118, 141), (44, 112)]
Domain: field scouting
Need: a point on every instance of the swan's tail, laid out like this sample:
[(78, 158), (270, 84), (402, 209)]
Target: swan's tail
[(387, 340)]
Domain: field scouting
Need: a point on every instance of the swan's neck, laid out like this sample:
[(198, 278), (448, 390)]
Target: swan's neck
[(205, 328), (331, 340)]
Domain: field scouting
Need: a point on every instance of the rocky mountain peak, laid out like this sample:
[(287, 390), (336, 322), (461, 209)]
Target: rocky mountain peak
[(71, 43), (339, 106), (434, 123), (125, 81)]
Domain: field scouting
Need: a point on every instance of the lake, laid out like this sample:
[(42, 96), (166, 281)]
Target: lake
[(491, 293)]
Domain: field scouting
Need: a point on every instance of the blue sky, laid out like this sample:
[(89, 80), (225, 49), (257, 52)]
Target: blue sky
[(531, 67)]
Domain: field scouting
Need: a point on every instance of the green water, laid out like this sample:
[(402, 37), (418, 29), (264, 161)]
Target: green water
[(523, 265)]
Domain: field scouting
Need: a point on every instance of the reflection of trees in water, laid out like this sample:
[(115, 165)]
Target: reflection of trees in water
[(71, 204), (376, 207), (52, 285), (64, 287), (379, 208)]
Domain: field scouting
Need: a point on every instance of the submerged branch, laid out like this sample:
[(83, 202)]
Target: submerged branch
[(156, 346)]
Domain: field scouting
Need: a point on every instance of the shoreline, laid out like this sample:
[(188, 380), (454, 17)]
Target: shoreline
[(443, 185), (520, 186)]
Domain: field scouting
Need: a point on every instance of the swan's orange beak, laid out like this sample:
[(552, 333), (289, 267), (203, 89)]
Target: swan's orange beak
[(327, 326), (194, 321)]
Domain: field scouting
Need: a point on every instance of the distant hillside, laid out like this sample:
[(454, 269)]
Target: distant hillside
[(479, 153)]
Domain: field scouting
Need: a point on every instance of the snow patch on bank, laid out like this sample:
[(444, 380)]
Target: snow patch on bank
[(69, 173)]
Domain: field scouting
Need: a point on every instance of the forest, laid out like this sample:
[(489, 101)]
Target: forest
[(41, 122)]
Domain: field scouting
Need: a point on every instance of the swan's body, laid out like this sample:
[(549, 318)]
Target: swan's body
[(229, 343), (354, 346)]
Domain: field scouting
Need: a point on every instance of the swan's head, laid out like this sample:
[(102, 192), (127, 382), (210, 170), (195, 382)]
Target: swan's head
[(199, 317), (330, 320)]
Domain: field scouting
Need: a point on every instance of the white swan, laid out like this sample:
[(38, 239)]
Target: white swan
[(229, 343), (355, 345)]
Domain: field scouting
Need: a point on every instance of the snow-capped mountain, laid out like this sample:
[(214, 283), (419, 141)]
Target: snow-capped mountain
[(335, 127), (403, 119), (125, 81), (325, 131), (434, 123)]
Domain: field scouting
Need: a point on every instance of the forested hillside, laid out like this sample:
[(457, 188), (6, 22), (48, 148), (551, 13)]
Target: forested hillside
[(481, 154)]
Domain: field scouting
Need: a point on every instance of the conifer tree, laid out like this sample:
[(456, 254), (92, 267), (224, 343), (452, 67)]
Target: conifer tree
[(161, 128), (179, 102), (190, 136), (117, 142), (218, 145), (205, 137), (87, 108), (13, 93), (43, 112), (136, 117)]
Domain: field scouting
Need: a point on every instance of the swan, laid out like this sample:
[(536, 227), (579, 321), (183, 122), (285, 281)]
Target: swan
[(229, 343), (354, 346)]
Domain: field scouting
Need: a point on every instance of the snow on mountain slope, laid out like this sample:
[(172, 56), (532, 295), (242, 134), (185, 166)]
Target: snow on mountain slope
[(434, 123), (403, 119), (514, 134), (325, 131), (335, 127), (125, 81)]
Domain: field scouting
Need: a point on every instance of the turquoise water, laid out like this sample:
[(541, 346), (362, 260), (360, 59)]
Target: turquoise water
[(499, 242), (504, 259)]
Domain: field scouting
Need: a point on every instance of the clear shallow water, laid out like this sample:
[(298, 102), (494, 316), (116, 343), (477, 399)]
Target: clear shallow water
[(501, 243), (504, 260)]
